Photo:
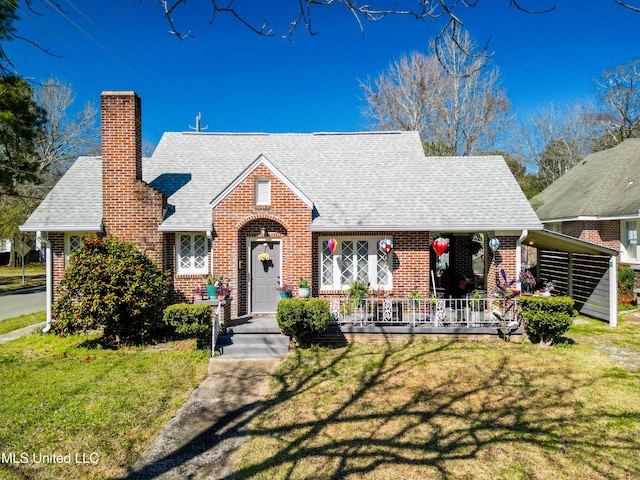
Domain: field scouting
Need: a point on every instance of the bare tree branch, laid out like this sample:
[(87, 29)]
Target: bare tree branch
[(459, 114), (626, 5)]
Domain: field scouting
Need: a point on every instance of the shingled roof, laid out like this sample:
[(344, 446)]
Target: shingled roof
[(356, 181), (604, 185)]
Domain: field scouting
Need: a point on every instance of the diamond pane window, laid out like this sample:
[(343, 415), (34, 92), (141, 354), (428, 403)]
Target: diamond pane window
[(347, 263), (191, 253), (382, 270), (354, 259), (75, 243), (363, 261), (327, 264)]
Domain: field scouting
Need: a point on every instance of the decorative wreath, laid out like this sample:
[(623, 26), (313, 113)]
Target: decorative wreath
[(263, 257)]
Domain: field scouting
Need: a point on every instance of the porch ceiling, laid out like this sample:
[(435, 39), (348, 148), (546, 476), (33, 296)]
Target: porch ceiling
[(548, 240)]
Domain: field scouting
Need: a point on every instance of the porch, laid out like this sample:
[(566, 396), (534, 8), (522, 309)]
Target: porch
[(467, 312)]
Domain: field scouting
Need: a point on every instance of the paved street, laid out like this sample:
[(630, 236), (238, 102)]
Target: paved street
[(29, 300)]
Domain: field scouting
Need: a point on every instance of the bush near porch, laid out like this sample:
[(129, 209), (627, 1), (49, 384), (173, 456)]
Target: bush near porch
[(189, 320), (302, 318), (546, 318)]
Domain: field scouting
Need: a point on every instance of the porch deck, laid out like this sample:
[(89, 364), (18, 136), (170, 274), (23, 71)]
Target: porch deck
[(400, 318)]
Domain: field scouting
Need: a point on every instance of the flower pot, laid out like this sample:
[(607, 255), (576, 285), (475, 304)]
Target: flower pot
[(211, 291), (304, 292), (285, 294)]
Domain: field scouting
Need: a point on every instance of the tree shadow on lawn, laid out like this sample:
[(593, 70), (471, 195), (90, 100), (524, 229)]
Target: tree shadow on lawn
[(447, 419)]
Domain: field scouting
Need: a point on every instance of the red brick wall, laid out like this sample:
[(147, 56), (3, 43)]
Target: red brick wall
[(601, 232), (504, 258), (132, 210), (237, 217), (183, 285), (57, 258)]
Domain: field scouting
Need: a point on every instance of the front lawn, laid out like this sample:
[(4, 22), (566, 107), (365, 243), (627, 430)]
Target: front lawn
[(452, 410), (70, 399)]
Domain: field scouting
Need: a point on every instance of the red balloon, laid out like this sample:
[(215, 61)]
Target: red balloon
[(332, 244), (440, 245)]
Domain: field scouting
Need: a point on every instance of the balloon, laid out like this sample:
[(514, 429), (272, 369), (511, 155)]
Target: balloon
[(332, 244), (440, 245), (494, 243), (385, 246)]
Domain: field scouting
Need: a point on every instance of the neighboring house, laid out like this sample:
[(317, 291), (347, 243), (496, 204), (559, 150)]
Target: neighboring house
[(598, 200), (209, 203)]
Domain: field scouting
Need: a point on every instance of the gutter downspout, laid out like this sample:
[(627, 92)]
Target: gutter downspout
[(49, 295)]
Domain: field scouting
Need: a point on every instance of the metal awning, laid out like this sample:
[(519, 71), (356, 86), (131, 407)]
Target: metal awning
[(548, 240)]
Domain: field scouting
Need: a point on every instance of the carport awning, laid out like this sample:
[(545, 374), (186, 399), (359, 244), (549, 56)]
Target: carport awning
[(548, 240)]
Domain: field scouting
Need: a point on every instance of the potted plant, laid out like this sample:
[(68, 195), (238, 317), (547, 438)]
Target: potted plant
[(414, 298), (285, 290), (304, 291), (223, 292), (199, 293), (213, 282), (357, 292)]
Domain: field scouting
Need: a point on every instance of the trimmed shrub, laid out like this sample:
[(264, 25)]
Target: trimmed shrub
[(111, 284), (303, 318), (546, 318), (188, 320)]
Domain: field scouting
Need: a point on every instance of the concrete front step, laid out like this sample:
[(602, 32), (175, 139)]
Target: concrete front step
[(252, 345)]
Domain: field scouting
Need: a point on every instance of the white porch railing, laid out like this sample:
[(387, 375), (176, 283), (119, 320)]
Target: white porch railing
[(215, 330), (442, 312)]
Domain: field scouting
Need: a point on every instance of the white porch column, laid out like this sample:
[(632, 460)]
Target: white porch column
[(613, 291)]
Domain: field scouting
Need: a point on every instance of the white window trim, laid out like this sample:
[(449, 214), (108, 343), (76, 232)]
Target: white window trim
[(372, 263), (627, 256), (67, 244), (191, 270), (258, 200)]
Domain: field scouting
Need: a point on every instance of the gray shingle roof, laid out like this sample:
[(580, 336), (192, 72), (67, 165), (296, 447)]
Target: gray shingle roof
[(604, 184), (356, 181), (75, 203)]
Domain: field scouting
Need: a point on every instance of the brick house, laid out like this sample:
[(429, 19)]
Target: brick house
[(209, 204), (598, 200)]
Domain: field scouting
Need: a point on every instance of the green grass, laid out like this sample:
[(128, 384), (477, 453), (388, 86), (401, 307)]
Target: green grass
[(30, 268), (445, 410), (11, 324), (19, 286), (69, 395)]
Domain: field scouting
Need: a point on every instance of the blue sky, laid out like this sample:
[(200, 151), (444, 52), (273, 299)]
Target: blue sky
[(245, 83)]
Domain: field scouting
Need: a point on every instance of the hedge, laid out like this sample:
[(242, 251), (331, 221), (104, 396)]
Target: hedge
[(546, 318), (303, 318), (189, 320)]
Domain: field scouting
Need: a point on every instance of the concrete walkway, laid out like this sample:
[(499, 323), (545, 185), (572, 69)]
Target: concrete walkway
[(201, 441), (21, 332)]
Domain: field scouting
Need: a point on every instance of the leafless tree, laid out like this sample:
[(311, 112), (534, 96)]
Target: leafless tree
[(452, 98), (619, 92), (302, 13), (65, 136), (553, 139)]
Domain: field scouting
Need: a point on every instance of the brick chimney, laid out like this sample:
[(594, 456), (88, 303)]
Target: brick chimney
[(131, 209)]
